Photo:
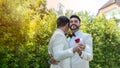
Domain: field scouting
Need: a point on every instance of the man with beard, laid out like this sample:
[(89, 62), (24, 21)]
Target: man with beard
[(85, 54), (81, 59)]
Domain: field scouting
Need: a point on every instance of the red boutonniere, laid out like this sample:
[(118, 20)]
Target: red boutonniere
[(77, 40)]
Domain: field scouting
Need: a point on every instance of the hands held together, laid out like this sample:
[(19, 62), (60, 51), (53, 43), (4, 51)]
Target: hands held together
[(52, 60), (79, 48)]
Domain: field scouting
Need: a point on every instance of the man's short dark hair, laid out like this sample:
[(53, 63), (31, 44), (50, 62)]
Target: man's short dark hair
[(75, 16), (62, 21)]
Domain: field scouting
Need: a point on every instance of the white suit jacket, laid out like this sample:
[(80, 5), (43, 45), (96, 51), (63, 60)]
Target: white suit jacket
[(59, 48), (82, 61)]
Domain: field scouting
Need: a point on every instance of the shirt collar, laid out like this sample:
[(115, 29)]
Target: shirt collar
[(78, 32), (61, 31)]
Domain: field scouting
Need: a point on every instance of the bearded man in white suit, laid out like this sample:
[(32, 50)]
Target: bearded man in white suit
[(81, 59), (58, 46)]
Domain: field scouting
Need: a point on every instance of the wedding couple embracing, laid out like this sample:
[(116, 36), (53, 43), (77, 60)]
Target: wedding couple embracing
[(73, 52)]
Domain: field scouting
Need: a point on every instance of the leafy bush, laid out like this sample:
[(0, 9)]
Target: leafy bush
[(106, 39)]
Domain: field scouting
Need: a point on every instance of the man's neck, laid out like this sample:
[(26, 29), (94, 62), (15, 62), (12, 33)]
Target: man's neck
[(73, 31), (62, 29)]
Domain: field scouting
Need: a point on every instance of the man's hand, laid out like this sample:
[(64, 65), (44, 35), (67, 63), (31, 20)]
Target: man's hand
[(79, 48), (53, 61)]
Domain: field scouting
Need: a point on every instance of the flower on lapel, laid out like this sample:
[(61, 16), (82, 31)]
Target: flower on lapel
[(77, 40)]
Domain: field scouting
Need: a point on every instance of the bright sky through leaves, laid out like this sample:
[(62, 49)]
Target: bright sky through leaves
[(91, 6)]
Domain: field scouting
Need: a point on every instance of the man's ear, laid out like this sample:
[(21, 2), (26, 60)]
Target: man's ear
[(67, 25)]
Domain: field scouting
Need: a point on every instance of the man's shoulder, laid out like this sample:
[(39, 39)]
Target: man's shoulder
[(86, 34), (57, 35)]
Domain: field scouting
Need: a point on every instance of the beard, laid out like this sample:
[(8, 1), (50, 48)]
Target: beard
[(74, 27)]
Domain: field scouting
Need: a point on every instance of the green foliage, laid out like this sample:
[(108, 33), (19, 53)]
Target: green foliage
[(24, 33), (106, 39), (106, 42)]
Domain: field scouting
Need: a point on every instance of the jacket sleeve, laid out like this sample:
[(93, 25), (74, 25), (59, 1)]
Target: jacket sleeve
[(59, 52), (87, 54)]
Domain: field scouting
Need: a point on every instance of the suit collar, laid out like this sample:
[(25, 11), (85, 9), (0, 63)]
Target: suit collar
[(61, 31), (78, 32)]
